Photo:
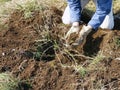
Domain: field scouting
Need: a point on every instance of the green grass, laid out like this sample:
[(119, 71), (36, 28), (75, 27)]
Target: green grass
[(8, 82), (117, 41), (30, 7), (96, 60), (81, 70), (3, 1)]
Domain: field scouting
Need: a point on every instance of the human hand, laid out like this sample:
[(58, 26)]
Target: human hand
[(82, 35), (74, 30)]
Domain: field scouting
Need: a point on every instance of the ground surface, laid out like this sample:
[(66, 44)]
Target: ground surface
[(18, 43)]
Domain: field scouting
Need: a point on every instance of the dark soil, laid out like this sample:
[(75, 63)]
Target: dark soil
[(21, 54)]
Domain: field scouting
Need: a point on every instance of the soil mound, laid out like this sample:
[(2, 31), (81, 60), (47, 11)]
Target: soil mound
[(27, 45)]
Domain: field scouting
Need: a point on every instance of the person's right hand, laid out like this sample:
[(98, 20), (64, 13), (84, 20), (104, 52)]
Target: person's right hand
[(74, 30)]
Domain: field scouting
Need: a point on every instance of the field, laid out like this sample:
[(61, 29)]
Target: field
[(33, 55)]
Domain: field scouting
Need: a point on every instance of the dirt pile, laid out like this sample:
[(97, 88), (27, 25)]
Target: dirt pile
[(20, 42)]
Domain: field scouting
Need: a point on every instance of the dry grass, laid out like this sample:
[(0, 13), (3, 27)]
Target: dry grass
[(8, 6)]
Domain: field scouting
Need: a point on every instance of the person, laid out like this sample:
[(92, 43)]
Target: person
[(103, 17)]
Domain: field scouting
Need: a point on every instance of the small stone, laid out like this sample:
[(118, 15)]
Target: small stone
[(117, 59), (13, 50), (3, 54)]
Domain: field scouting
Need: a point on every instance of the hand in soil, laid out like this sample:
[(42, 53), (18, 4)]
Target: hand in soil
[(82, 35), (74, 31)]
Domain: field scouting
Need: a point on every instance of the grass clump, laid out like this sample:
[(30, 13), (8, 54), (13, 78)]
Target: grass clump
[(45, 51), (117, 42), (29, 7), (80, 69), (2, 1), (96, 60), (8, 82)]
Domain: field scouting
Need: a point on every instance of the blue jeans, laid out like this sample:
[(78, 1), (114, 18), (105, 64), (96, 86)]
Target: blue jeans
[(103, 8)]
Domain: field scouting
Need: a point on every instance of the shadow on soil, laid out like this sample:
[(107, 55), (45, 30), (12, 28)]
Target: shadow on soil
[(92, 45)]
